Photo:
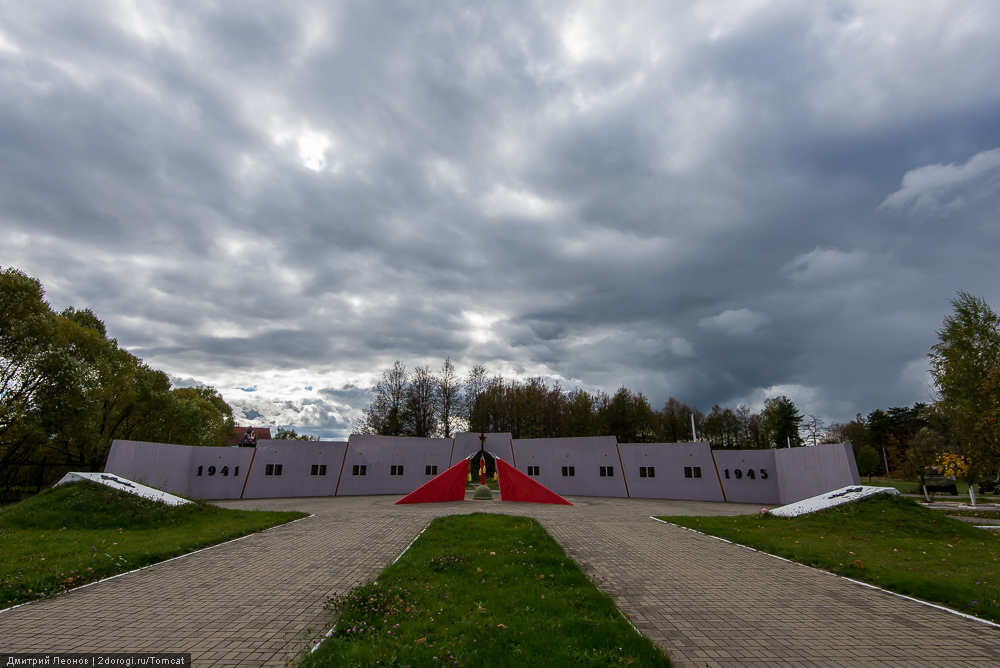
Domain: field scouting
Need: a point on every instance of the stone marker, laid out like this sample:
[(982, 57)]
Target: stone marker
[(124, 485)]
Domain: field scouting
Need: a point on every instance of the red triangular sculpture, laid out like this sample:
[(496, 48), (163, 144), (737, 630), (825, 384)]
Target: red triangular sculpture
[(447, 486), (517, 486)]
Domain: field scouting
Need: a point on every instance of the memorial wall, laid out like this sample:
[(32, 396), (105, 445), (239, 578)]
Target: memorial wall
[(396, 465)]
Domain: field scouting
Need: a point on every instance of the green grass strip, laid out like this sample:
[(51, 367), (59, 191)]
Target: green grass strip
[(82, 532), (892, 543), (912, 487), (483, 591)]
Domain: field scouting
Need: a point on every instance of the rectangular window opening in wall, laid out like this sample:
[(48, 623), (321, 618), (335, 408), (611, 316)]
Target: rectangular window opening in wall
[(604, 471), (314, 470), (651, 470), (533, 470), (430, 470), (611, 471), (359, 470), (322, 469), (572, 471), (642, 471), (277, 469), (395, 470), (687, 471), (697, 471), (269, 469)]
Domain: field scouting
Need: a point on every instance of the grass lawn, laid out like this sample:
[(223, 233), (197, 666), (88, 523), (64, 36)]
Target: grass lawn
[(908, 487), (893, 543), (903, 486), (984, 514), (81, 532), (482, 591), (492, 484)]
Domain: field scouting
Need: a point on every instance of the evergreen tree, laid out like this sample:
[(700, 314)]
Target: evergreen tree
[(783, 420)]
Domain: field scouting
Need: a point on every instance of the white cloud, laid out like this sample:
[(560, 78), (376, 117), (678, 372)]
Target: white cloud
[(681, 347), (804, 397), (7, 45), (295, 196), (738, 322), (947, 188), (829, 264), (916, 378), (504, 201)]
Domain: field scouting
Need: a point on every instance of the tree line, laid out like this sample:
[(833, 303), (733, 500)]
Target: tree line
[(67, 390), (959, 432), (427, 403)]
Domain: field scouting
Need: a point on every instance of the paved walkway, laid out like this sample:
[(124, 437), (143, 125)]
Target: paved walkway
[(252, 602)]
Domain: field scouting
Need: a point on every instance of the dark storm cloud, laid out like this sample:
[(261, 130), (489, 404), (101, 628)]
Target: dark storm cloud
[(715, 202)]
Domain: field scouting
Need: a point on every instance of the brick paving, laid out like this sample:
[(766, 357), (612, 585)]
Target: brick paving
[(251, 602)]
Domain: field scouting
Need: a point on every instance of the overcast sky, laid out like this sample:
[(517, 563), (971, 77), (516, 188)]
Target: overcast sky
[(715, 201)]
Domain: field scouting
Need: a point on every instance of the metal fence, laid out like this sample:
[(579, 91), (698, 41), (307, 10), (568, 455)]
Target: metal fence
[(21, 481)]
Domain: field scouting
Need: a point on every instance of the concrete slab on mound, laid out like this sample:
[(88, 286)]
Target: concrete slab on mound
[(123, 485), (832, 499)]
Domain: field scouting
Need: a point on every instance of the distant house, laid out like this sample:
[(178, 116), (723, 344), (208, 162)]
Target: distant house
[(249, 435)]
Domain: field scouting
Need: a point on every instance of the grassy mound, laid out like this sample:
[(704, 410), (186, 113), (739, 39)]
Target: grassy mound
[(486, 591), (82, 532), (891, 542)]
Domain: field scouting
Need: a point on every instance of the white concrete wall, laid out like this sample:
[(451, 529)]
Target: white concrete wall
[(467, 443), (585, 455), (669, 461), (380, 453), (806, 472), (778, 476), (296, 459), (748, 476), (174, 468)]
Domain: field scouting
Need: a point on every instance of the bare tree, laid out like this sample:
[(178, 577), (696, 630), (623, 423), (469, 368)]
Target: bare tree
[(813, 427), (385, 415), (422, 403), (475, 386), (449, 394), (743, 417), (835, 432)]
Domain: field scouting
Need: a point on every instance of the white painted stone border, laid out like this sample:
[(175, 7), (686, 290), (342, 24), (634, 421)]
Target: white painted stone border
[(124, 485), (830, 499), (859, 582)]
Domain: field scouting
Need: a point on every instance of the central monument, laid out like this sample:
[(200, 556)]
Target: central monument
[(482, 493)]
